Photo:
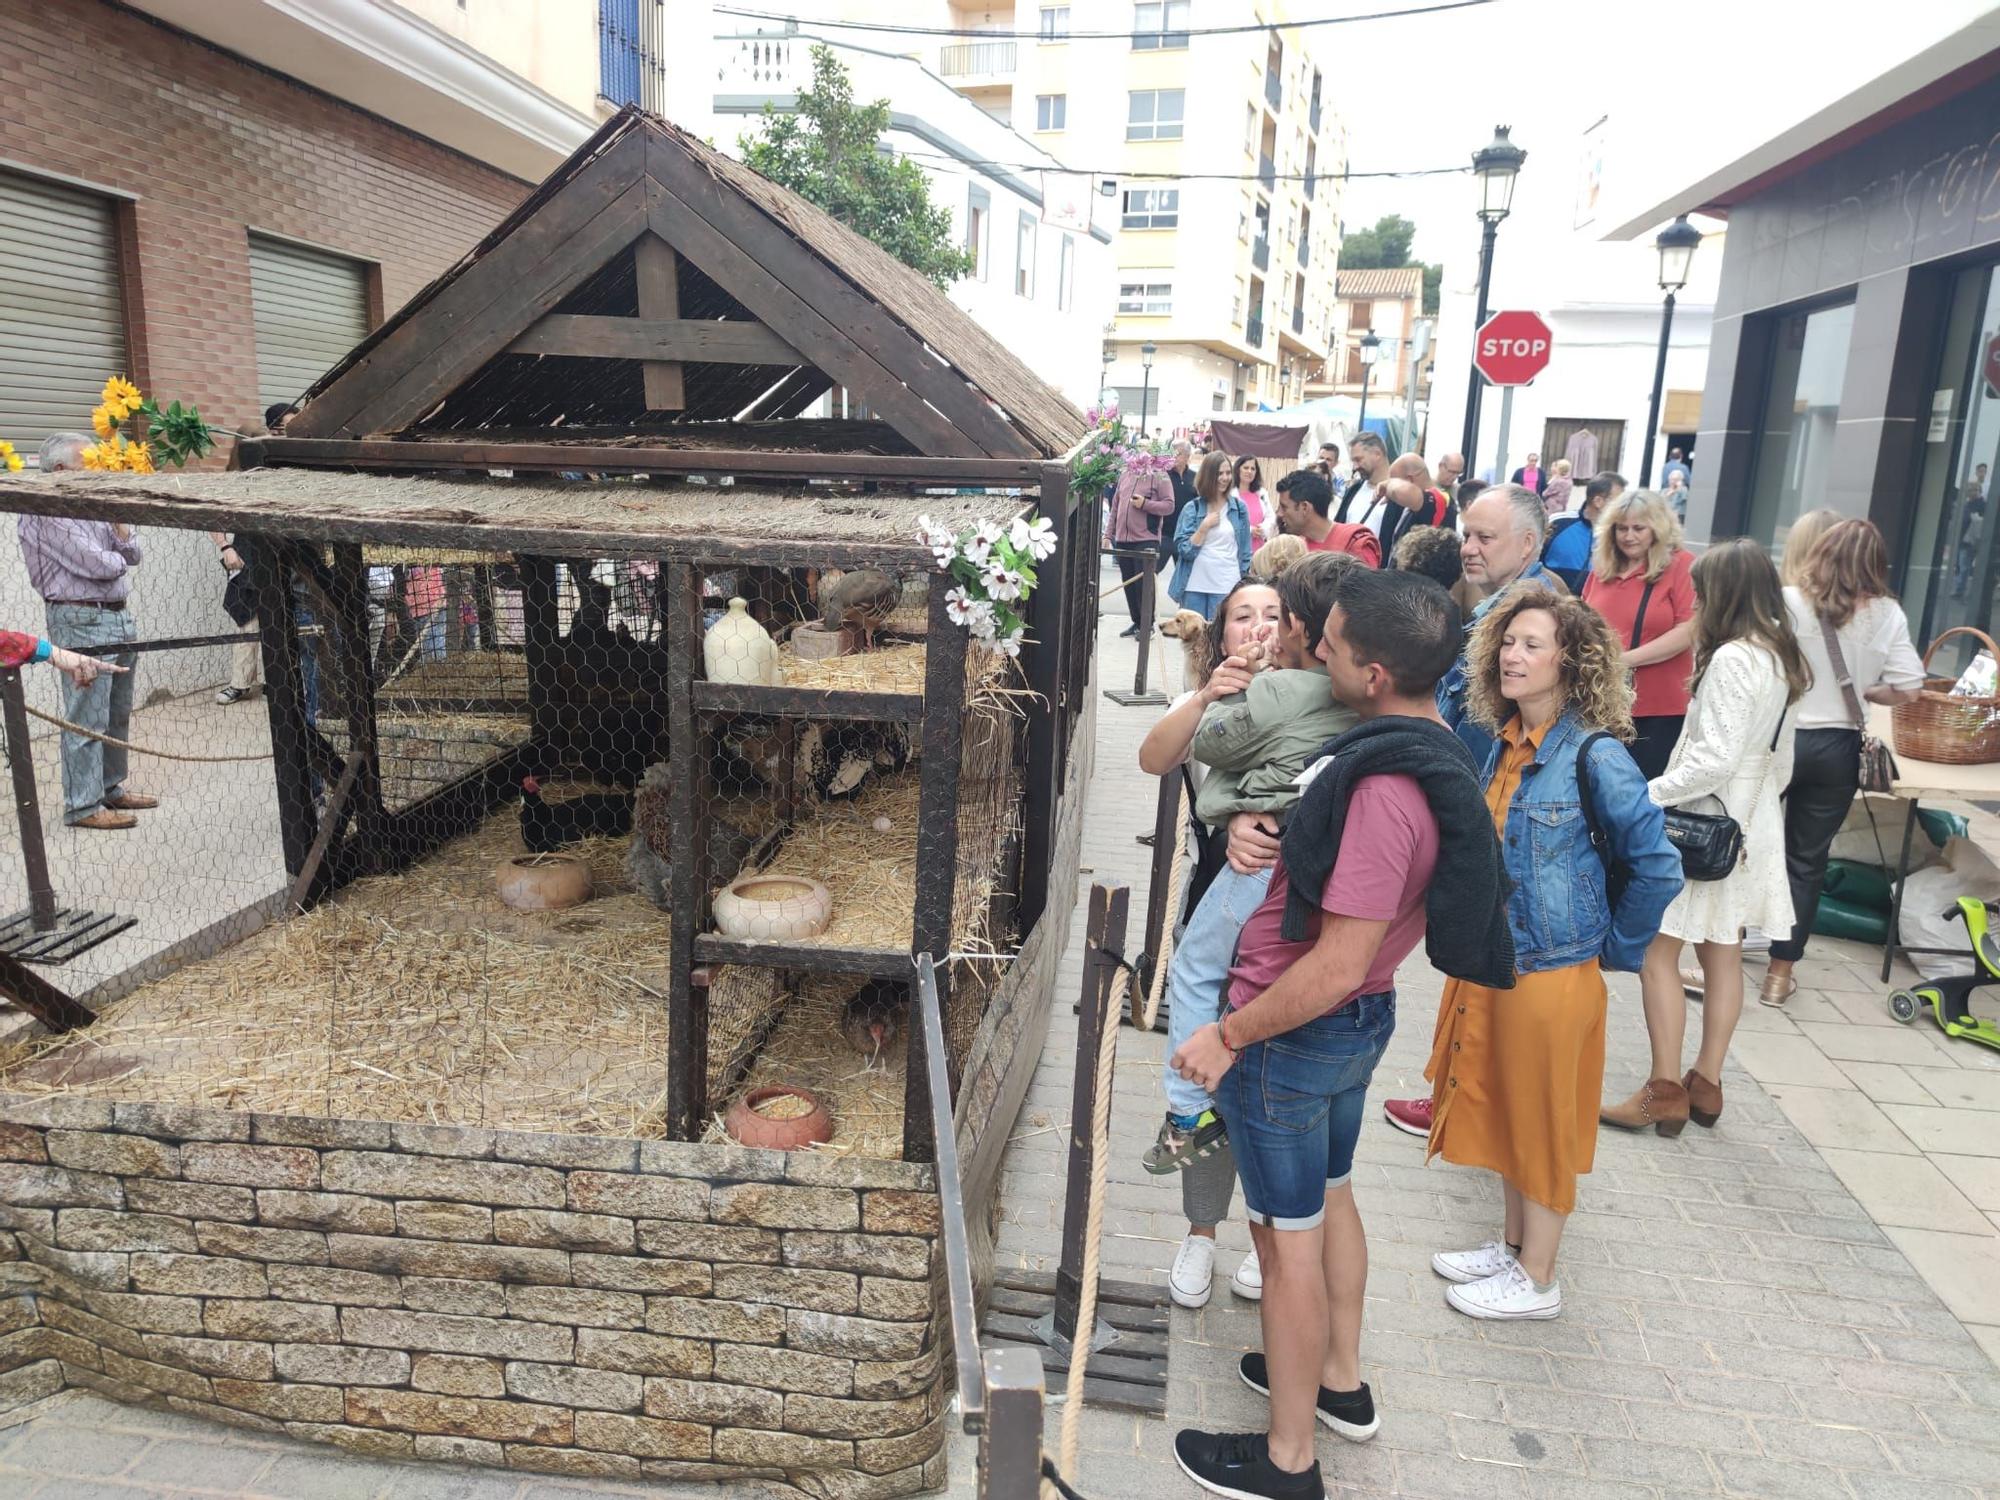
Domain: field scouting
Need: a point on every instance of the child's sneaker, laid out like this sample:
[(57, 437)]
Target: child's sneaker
[(1176, 1146)]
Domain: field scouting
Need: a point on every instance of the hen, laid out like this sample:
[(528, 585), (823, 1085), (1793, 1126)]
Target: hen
[(872, 1019), (859, 601), (547, 826)]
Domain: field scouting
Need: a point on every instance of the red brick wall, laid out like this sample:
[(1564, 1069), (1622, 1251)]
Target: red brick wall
[(215, 147)]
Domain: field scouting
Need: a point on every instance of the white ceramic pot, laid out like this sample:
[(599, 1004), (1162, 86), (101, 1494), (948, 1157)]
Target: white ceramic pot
[(738, 649), (775, 908)]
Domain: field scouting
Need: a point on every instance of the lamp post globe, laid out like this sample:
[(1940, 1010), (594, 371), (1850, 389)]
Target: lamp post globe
[(1676, 245), (1146, 352), (1496, 166)]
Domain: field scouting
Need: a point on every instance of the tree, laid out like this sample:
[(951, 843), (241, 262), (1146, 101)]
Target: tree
[(828, 152), (1387, 246)]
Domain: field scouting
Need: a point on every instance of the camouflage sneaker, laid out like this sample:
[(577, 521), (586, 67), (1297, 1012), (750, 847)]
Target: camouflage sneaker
[(1175, 1149)]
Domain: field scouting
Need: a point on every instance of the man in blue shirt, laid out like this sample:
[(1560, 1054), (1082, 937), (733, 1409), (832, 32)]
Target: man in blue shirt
[(1567, 554)]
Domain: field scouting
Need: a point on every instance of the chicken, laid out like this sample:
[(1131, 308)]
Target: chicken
[(547, 826), (872, 1019), (858, 601)]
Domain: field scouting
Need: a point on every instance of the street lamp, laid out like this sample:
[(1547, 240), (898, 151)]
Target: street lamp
[(1146, 352), (1371, 350), (1677, 244), (1496, 166)]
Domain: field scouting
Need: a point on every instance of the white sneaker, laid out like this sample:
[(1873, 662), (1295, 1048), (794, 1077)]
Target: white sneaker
[(1508, 1294), (1248, 1281), (1490, 1259), (1194, 1271)]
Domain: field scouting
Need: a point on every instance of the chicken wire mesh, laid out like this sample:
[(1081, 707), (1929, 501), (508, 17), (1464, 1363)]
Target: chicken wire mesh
[(469, 750)]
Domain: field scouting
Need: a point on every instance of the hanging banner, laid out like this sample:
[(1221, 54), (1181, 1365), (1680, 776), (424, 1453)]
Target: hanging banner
[(1066, 200)]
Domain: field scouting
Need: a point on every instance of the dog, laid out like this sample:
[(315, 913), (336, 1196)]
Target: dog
[(1191, 630)]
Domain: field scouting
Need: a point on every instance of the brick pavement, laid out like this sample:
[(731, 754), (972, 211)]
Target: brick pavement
[(1736, 1322)]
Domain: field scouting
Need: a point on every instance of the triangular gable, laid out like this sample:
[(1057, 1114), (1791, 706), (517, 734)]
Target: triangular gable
[(643, 200)]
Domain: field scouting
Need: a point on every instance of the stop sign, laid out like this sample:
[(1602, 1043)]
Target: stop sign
[(1989, 366), (1512, 348)]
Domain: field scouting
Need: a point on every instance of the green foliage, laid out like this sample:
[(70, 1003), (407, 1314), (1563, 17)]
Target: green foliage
[(828, 154), (176, 433), (1386, 246)]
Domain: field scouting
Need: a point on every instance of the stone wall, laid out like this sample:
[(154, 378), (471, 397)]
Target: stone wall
[(565, 1304)]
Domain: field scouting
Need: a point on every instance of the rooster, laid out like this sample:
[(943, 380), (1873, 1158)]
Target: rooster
[(547, 826), (872, 1018)]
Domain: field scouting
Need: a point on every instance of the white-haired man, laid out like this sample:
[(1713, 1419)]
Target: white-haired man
[(83, 571)]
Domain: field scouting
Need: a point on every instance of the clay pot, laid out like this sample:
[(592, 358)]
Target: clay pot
[(775, 908), (749, 1128), (816, 642), (543, 882)]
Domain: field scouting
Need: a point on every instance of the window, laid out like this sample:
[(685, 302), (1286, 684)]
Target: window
[(1794, 463), (1051, 111), (978, 219), (1236, 306), (1250, 125), (1153, 208), (1024, 255), (1159, 25), (1139, 401), (1155, 115), (1066, 274), (1146, 299), (1055, 23), (1361, 314)]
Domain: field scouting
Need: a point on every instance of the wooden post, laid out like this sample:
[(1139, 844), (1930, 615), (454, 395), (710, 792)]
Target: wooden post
[(1103, 935), (27, 803), (937, 848), (541, 627), (284, 698), (1010, 1443), (1045, 679), (1167, 835), (349, 663), (482, 603), (1141, 696), (658, 272), (687, 1005)]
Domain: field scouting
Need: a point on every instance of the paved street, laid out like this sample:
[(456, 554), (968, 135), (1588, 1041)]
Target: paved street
[(1792, 1304)]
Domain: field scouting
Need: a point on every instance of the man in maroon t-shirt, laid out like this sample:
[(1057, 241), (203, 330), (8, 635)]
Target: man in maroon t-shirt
[(1294, 1110), (1303, 501)]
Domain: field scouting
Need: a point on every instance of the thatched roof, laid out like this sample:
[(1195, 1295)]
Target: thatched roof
[(786, 302), (783, 526)]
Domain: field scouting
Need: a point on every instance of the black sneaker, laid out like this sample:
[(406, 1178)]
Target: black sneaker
[(1129, 633), (1349, 1413), (1238, 1464)]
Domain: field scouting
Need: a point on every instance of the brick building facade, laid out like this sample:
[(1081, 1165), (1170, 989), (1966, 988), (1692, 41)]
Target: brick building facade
[(197, 149)]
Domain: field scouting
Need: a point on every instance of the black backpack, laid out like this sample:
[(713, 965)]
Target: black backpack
[(1616, 875)]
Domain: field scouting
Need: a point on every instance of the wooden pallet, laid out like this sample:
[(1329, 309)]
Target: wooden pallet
[(1129, 1374)]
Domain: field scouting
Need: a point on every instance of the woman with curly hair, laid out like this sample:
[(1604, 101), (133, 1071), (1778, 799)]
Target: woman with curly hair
[(1516, 1074)]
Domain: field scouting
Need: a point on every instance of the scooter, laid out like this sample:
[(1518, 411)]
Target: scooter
[(1950, 999)]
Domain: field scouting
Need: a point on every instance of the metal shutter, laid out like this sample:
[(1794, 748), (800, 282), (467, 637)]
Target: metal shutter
[(62, 310), (310, 308)]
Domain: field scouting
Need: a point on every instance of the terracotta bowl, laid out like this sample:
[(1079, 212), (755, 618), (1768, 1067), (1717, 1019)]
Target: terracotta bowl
[(775, 908), (749, 1128), (543, 882)]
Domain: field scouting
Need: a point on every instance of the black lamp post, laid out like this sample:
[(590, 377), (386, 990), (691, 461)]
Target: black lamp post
[(1496, 167), (1146, 352), (1371, 350), (1677, 244)]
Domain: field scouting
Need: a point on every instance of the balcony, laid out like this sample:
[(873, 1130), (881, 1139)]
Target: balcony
[(982, 60), (1260, 253), (1267, 170), (1311, 180), (1298, 320), (1305, 251), (1253, 333), (1274, 90), (1312, 115)]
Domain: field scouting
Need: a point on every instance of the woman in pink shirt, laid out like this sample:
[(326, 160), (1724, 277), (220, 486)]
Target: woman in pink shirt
[(1250, 490)]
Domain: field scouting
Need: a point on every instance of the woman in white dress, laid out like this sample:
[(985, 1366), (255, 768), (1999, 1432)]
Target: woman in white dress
[(1736, 746)]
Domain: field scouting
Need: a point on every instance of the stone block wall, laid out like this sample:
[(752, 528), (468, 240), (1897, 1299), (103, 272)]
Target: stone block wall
[(564, 1304)]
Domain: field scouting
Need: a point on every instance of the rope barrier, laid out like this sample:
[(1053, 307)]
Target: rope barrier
[(92, 734)]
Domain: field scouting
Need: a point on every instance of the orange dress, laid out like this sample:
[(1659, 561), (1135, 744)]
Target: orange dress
[(1517, 1075)]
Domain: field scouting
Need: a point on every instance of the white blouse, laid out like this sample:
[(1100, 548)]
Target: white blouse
[(1877, 648)]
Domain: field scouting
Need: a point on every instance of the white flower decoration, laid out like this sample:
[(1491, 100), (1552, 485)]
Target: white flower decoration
[(1002, 582), (1037, 538), (1011, 641), (961, 607)]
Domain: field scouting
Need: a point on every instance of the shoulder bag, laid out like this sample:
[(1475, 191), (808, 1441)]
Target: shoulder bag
[(1711, 844), (1878, 766)]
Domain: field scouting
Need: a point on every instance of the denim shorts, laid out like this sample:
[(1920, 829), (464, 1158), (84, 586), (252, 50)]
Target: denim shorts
[(1293, 1105)]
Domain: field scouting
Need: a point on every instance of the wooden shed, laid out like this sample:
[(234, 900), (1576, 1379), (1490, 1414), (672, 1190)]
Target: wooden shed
[(487, 549)]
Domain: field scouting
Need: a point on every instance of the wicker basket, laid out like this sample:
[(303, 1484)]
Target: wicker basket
[(1945, 730)]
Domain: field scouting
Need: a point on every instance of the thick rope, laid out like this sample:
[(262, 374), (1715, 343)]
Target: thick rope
[(92, 734), (1176, 882), (1100, 1151)]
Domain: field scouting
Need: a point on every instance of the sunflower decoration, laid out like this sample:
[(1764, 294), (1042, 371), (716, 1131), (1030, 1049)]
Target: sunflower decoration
[(9, 457), (174, 433)]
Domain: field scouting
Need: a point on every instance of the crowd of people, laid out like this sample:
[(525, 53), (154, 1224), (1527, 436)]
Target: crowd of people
[(1544, 747)]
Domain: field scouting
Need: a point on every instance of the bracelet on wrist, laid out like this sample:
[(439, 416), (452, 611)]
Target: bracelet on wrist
[(1222, 1032)]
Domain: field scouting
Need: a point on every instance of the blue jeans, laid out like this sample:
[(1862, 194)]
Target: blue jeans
[(1202, 604), (1200, 969), (93, 770), (1293, 1107)]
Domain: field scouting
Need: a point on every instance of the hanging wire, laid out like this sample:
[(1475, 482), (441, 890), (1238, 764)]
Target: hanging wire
[(1246, 28)]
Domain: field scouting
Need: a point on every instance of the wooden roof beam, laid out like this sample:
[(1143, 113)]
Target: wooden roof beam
[(696, 341)]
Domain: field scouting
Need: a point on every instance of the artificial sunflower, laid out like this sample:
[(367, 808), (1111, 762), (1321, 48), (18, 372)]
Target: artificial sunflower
[(139, 459), (9, 457), (122, 396), (103, 421)]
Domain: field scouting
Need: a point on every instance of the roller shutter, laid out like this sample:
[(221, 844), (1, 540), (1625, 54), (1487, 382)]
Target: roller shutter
[(311, 307), (62, 310)]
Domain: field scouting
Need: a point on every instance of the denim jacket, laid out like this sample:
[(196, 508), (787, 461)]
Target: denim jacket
[(1185, 549), (1558, 910)]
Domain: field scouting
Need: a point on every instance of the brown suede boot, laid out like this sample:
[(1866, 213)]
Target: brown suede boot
[(1662, 1104), (1704, 1099)]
